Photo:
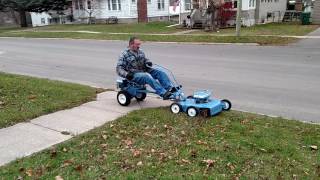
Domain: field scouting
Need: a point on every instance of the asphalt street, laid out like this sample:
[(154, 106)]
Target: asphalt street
[(273, 80)]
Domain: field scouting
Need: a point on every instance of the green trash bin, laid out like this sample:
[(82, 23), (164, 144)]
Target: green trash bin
[(305, 18)]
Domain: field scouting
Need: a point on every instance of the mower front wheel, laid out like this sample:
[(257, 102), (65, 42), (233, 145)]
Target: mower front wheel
[(226, 104), (175, 108), (192, 112), (123, 98)]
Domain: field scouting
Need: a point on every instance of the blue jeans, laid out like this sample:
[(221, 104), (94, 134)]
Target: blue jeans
[(158, 80)]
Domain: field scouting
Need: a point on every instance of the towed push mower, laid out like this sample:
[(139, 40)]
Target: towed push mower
[(200, 103)]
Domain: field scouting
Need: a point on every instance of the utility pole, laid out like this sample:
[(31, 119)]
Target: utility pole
[(238, 20), (180, 12)]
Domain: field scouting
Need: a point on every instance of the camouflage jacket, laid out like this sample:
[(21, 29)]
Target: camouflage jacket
[(131, 62)]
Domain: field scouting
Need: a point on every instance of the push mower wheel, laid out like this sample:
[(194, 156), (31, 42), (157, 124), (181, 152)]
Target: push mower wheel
[(141, 96), (123, 98), (227, 104), (192, 112), (175, 108)]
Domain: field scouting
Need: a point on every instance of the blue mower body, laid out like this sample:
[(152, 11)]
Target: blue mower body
[(200, 103)]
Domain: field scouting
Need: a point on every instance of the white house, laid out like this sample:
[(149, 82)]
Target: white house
[(40, 19), (128, 10), (124, 10)]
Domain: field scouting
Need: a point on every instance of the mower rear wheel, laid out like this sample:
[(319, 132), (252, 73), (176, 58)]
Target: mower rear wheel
[(227, 104), (175, 108), (141, 96), (192, 112), (123, 98)]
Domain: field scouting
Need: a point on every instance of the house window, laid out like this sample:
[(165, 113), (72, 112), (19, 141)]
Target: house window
[(133, 1), (160, 4), (235, 4), (114, 5), (43, 20), (251, 3), (89, 4), (187, 4), (78, 4), (149, 1)]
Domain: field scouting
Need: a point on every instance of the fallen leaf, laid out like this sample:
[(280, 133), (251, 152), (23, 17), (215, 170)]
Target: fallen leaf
[(58, 178), (193, 154), (79, 168), (313, 147), (136, 153), (230, 166), (29, 172), (148, 133), (82, 143), (162, 156), (67, 162), (65, 150), (245, 121), (128, 142), (235, 178), (39, 172), (263, 150), (104, 146), (32, 97), (209, 162), (53, 153), (139, 163), (104, 137), (185, 161), (1, 103), (201, 142)]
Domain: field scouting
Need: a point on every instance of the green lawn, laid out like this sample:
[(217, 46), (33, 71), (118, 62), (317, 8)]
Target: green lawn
[(4, 29), (152, 27), (155, 144), (151, 31), (23, 98), (286, 29), (265, 40)]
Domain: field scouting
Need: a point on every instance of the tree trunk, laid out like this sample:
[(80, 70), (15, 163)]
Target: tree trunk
[(23, 19), (213, 19), (14, 16)]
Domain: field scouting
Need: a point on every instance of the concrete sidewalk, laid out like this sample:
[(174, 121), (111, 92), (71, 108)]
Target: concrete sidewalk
[(24, 139)]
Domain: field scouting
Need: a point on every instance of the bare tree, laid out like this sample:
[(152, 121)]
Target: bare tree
[(213, 7), (92, 7)]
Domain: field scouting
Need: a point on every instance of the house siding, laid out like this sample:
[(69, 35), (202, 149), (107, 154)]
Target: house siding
[(276, 7), (128, 12), (316, 12)]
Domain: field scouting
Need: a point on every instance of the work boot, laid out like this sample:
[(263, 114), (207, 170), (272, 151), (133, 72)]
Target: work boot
[(166, 95), (173, 89)]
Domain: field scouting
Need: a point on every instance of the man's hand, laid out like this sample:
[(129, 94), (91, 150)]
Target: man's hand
[(130, 76), (149, 64)]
